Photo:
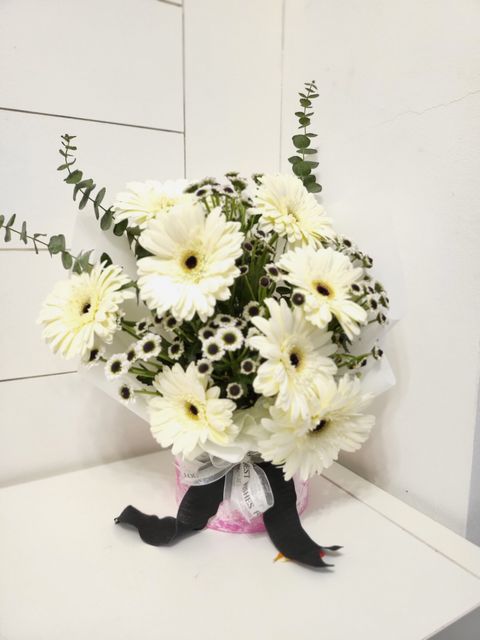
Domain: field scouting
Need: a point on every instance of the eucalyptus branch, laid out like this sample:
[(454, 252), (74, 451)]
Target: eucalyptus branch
[(302, 167), (55, 245)]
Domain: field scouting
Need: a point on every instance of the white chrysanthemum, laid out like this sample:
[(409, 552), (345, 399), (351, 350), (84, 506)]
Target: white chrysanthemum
[(287, 208), (189, 416), (145, 201), (325, 278), (234, 391), (117, 366), (193, 261), (176, 350), (82, 308), (296, 355), (230, 338), (309, 446), (204, 367), (212, 349), (149, 346), (126, 394)]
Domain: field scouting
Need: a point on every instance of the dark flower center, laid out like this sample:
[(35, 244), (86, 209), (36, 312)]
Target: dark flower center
[(191, 262), (212, 349), (320, 426), (230, 338), (93, 355), (322, 289), (203, 367), (116, 366), (235, 389), (208, 333), (193, 410), (247, 367), (131, 355), (294, 359), (253, 311), (148, 346), (125, 393), (86, 307)]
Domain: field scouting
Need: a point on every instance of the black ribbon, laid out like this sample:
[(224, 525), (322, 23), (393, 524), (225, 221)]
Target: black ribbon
[(200, 503)]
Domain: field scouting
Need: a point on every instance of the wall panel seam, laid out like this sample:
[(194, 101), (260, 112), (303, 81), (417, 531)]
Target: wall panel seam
[(82, 119), (40, 375)]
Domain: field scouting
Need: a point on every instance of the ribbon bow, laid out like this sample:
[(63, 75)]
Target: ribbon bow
[(246, 484)]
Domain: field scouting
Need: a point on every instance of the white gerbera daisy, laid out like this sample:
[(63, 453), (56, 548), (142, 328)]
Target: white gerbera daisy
[(83, 307), (287, 208), (230, 338), (145, 201), (189, 415), (296, 356), (193, 261), (325, 278), (149, 346), (311, 445), (116, 366)]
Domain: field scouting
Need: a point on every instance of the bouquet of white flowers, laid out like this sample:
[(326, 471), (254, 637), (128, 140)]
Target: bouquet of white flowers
[(249, 304)]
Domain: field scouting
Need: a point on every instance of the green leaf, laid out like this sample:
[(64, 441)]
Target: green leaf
[(56, 244), (2, 220), (119, 229), (314, 187), (309, 179), (299, 114), (100, 196), (85, 197), (67, 260), (8, 234), (294, 159), (305, 102), (309, 151), (105, 259), (23, 233), (301, 141), (301, 168), (83, 260), (74, 177), (304, 121), (312, 165), (312, 135), (313, 95), (11, 221), (106, 220)]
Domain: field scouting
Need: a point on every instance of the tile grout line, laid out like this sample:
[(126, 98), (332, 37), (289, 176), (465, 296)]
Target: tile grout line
[(282, 71), (184, 99), (81, 119), (40, 375)]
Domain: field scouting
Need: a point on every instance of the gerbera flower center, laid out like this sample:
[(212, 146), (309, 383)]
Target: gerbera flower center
[(191, 262), (295, 359), (192, 410), (323, 289), (320, 425)]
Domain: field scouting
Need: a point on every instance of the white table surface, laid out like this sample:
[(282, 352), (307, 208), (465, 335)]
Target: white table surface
[(69, 573)]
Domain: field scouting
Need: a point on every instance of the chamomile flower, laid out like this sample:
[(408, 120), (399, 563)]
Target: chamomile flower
[(83, 308), (325, 277), (296, 358), (142, 326), (234, 391), (272, 271), (248, 366), (206, 333), (287, 208), (169, 323), (307, 446), (149, 346), (252, 310), (131, 353), (176, 350), (230, 338), (189, 416), (146, 201), (93, 356), (204, 367), (116, 366), (223, 320), (193, 263), (126, 394), (212, 349)]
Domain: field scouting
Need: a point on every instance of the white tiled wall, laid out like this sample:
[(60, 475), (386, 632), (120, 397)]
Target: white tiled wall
[(66, 68)]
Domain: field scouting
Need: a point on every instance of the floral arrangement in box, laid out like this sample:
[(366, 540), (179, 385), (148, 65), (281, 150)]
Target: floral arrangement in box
[(240, 320)]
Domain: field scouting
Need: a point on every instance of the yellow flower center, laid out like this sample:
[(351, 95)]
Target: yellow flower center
[(192, 263), (296, 359)]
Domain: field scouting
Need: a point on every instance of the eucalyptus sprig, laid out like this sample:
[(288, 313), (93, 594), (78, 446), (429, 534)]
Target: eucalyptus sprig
[(56, 245), (301, 166)]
